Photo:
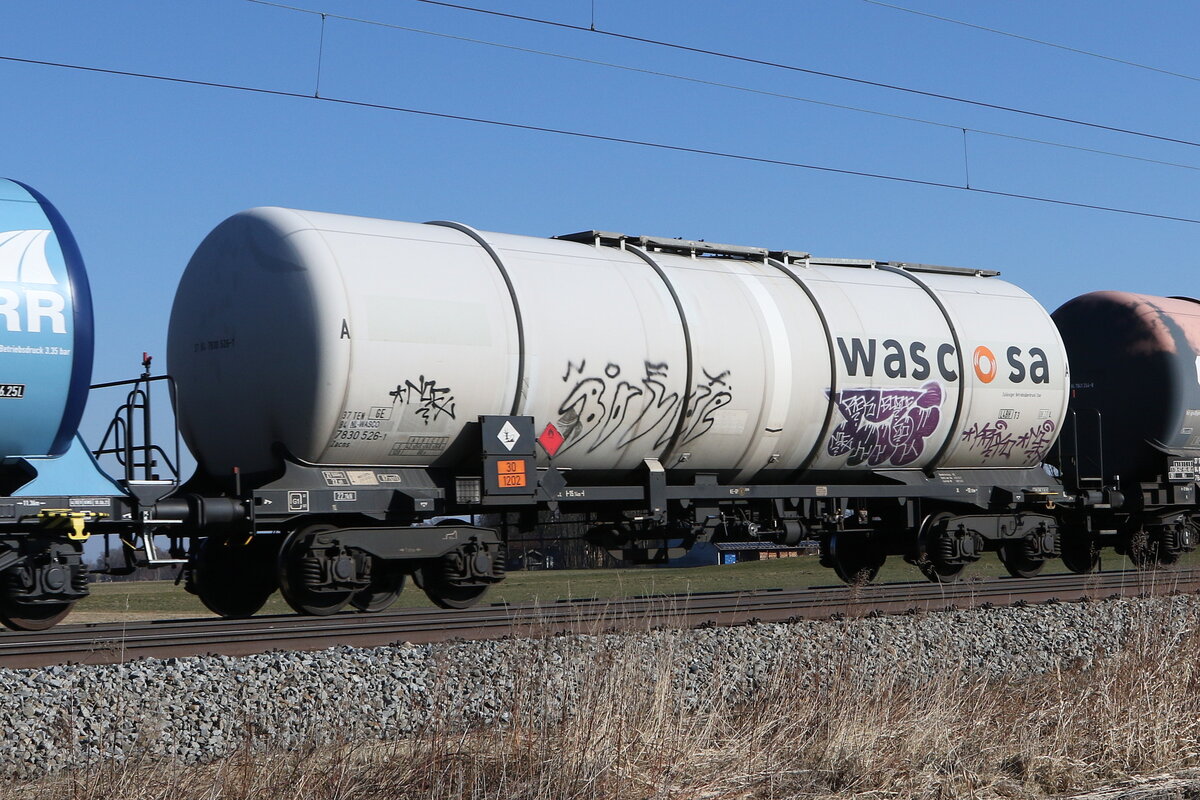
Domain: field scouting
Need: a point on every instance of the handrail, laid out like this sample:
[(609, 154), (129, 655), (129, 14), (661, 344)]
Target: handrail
[(120, 428)]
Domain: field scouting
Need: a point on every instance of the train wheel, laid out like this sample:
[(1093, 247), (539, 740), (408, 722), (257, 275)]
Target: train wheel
[(1080, 554), (1144, 550), (1017, 562), (1164, 557), (853, 558), (436, 578), (297, 568), (941, 573), (233, 580), (385, 588), (18, 616), (444, 593), (931, 567)]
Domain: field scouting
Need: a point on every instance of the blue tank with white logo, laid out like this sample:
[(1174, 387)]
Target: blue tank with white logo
[(46, 333)]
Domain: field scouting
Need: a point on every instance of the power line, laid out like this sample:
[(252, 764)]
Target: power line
[(722, 85), (1043, 42), (597, 137), (779, 65)]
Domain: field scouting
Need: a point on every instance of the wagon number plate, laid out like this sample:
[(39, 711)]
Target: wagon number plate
[(510, 473)]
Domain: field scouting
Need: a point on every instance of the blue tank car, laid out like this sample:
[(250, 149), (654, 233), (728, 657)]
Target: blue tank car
[(46, 332), (46, 343)]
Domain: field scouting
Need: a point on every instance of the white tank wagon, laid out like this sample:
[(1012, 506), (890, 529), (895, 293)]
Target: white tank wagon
[(674, 392), (342, 340)]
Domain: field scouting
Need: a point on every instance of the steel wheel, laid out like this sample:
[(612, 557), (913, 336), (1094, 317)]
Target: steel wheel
[(291, 566), (935, 571), (1080, 553), (1017, 562), (233, 580), (445, 594), (1144, 551), (385, 588), (1165, 557), (18, 616), (941, 573), (853, 559), (442, 591)]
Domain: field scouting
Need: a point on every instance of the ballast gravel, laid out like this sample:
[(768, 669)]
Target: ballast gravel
[(199, 709)]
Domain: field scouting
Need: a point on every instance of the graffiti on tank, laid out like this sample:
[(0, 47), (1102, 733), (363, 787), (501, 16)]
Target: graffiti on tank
[(884, 426), (599, 404), (658, 408), (709, 396), (431, 400), (606, 406), (998, 440)]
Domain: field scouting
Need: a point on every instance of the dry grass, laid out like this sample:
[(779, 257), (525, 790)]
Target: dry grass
[(945, 735)]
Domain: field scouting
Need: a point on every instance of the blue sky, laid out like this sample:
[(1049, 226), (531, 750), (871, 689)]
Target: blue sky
[(143, 169)]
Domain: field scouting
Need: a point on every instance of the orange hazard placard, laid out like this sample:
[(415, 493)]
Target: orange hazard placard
[(510, 473)]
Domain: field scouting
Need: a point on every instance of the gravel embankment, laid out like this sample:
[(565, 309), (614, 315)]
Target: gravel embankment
[(197, 709)]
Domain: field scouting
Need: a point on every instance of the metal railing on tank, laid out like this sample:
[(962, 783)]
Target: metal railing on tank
[(140, 459)]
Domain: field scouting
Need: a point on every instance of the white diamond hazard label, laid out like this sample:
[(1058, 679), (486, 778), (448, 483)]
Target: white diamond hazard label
[(508, 435)]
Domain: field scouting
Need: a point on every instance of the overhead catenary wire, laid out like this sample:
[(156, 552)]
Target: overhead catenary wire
[(724, 85), (773, 64), (743, 157), (1032, 40)]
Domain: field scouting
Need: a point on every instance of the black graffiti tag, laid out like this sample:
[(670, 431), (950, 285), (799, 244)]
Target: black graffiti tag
[(603, 404), (658, 410), (432, 400), (710, 395)]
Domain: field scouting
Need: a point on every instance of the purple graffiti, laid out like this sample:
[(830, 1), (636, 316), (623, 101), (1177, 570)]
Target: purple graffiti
[(885, 425), (995, 440)]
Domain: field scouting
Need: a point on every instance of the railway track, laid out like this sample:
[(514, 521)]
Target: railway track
[(106, 643)]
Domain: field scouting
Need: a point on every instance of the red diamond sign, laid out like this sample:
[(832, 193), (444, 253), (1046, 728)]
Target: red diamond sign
[(550, 439)]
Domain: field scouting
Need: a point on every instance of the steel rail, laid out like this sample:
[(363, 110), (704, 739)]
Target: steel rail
[(107, 643)]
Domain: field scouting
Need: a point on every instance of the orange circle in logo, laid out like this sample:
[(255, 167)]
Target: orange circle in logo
[(985, 364)]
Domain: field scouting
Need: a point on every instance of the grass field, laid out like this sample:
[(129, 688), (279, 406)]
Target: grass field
[(112, 602)]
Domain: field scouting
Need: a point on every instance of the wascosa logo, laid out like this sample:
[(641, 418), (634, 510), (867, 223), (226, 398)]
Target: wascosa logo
[(918, 360), (23, 260)]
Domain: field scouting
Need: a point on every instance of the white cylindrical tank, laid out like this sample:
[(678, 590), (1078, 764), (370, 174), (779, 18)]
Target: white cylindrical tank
[(344, 340)]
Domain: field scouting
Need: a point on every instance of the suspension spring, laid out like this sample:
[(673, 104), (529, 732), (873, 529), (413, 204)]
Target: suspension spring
[(454, 566), (498, 562), (310, 571), (946, 550), (79, 579), (17, 580)]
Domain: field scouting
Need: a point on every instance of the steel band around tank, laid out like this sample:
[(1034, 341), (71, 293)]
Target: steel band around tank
[(817, 443), (687, 347), (936, 461), (512, 294)]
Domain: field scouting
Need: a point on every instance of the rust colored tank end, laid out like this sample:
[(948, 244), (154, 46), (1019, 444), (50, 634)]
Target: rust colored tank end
[(1156, 315)]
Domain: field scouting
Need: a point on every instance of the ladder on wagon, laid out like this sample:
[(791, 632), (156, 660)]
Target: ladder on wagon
[(129, 439)]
